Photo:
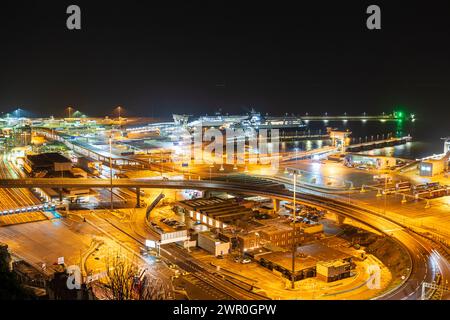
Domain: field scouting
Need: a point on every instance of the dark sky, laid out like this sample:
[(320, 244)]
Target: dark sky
[(192, 57)]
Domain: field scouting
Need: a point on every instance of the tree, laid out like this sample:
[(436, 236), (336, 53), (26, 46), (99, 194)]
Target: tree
[(125, 281)]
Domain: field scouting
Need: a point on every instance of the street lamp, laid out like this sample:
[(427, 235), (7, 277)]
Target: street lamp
[(294, 247), (119, 110), (69, 110), (110, 170)]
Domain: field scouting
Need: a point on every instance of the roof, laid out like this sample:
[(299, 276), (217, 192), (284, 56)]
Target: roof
[(47, 159), (334, 263), (216, 208), (284, 260), (321, 252), (373, 156)]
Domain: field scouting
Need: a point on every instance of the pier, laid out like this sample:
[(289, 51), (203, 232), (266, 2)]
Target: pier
[(377, 144)]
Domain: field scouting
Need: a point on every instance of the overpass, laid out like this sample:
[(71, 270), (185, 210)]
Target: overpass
[(60, 183), (426, 261)]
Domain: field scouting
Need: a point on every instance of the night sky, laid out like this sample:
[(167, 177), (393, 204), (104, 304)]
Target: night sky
[(193, 57)]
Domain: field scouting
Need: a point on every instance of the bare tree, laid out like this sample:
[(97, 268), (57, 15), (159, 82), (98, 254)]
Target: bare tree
[(124, 281), (151, 288), (121, 275)]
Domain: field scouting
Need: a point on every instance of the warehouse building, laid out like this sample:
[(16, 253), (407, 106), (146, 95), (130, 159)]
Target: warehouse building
[(47, 162), (315, 259), (432, 167), (212, 244), (214, 212), (330, 271), (377, 162)]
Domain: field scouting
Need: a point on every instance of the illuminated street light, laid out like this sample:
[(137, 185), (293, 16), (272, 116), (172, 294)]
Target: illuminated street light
[(69, 110), (294, 247), (110, 170), (119, 110)]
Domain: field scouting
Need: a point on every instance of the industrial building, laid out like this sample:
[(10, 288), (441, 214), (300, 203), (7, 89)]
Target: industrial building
[(311, 260), (214, 212), (46, 162), (377, 162), (238, 225), (330, 271), (208, 241), (168, 234), (431, 167), (276, 232)]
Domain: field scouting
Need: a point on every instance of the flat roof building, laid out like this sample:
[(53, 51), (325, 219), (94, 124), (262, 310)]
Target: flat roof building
[(214, 212), (208, 241), (378, 162), (50, 162), (307, 259), (432, 167), (329, 271)]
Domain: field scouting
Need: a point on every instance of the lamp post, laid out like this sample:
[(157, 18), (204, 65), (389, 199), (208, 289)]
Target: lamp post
[(294, 247), (110, 170), (385, 194), (161, 161), (119, 109)]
